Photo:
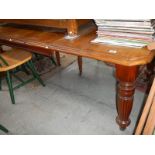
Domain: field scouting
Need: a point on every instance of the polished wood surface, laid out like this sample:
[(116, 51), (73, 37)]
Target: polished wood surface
[(45, 42), (126, 60), (124, 55), (32, 40), (38, 39), (14, 58)]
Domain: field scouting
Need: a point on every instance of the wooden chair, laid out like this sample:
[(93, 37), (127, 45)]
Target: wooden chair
[(146, 123), (13, 59)]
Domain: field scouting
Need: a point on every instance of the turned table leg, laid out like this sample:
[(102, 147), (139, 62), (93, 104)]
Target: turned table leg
[(80, 64), (126, 77)]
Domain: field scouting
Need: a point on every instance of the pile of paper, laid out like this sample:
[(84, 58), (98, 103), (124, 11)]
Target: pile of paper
[(131, 33)]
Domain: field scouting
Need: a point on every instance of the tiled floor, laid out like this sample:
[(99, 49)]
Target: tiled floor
[(69, 104)]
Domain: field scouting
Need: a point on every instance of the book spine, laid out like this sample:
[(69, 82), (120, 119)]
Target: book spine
[(127, 28), (125, 35), (119, 42), (126, 31), (126, 38), (125, 23)]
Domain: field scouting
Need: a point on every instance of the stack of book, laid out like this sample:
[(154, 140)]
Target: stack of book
[(131, 33)]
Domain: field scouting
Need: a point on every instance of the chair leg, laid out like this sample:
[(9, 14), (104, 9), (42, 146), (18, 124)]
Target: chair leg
[(3, 129), (34, 72), (9, 82), (25, 69)]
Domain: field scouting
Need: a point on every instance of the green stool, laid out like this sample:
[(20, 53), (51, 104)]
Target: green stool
[(3, 129), (11, 60)]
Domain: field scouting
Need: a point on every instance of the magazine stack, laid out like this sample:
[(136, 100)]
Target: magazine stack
[(131, 33)]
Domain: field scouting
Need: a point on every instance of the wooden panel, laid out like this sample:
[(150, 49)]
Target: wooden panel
[(38, 22), (70, 24), (146, 123)]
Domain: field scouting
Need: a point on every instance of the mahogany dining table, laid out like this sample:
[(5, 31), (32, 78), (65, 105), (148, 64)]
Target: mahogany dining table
[(126, 60)]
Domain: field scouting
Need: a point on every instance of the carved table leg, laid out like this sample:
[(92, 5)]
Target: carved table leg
[(126, 77), (80, 64), (58, 58)]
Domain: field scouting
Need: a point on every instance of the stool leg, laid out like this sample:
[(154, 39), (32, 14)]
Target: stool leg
[(9, 82), (25, 69), (34, 72), (3, 129)]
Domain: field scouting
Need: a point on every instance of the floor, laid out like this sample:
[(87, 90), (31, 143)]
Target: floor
[(69, 104)]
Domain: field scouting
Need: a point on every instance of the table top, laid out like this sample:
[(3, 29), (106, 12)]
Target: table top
[(81, 46), (115, 54)]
